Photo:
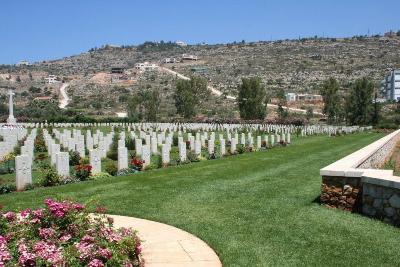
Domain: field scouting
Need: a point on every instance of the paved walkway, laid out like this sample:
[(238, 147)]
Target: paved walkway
[(168, 246)]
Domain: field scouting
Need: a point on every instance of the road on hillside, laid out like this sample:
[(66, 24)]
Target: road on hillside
[(219, 93), (64, 97)]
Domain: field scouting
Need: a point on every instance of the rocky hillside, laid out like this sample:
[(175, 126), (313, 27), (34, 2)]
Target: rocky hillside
[(294, 65)]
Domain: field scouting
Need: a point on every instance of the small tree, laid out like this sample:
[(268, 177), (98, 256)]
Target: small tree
[(309, 113), (281, 103), (332, 102), (152, 102), (252, 98), (359, 103), (189, 94)]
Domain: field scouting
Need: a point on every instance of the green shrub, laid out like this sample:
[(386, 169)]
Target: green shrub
[(101, 175), (240, 149), (175, 140), (74, 158), (84, 161), (129, 143), (112, 154), (50, 178), (40, 145), (111, 168), (192, 157), (7, 188)]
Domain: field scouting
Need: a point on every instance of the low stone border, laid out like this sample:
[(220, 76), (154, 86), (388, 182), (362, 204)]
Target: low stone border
[(168, 246), (353, 184)]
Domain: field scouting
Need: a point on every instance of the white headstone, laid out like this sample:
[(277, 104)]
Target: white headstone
[(122, 158), (23, 171), (95, 160), (62, 164)]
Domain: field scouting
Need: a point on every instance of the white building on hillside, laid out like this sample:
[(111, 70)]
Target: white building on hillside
[(390, 86), (145, 66), (290, 97), (180, 43), (51, 79), (23, 63), (170, 60), (189, 57)]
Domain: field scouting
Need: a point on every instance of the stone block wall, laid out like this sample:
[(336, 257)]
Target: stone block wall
[(344, 193), (380, 157), (382, 203)]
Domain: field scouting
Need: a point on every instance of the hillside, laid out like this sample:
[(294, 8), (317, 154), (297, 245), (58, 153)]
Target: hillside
[(293, 65)]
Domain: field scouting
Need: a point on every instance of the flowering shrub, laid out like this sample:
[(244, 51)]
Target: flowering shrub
[(49, 178), (137, 164), (83, 172), (39, 144), (63, 234)]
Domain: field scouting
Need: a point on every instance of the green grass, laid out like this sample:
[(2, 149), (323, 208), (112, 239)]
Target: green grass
[(254, 209)]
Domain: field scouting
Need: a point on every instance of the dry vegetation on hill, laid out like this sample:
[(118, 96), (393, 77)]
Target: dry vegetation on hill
[(291, 65)]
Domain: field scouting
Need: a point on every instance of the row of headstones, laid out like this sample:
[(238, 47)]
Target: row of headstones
[(11, 136), (276, 128), (74, 140), (195, 144), (24, 161)]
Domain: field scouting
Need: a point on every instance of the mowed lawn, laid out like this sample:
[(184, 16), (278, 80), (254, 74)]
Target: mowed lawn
[(255, 209)]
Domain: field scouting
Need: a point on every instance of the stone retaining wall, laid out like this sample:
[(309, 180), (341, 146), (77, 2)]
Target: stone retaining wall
[(352, 184), (382, 203), (344, 193)]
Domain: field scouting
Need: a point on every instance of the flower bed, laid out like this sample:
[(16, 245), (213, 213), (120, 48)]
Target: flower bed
[(64, 234)]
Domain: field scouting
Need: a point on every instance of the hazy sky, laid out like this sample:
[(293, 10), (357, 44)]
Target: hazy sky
[(48, 29)]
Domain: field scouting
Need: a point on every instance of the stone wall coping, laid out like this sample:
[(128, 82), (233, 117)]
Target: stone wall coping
[(347, 166), (383, 178)]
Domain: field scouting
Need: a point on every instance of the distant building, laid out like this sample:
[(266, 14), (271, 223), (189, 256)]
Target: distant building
[(199, 69), (51, 79), (291, 97), (180, 43), (189, 57), (145, 66), (43, 98), (170, 60), (390, 86), (117, 70), (23, 63)]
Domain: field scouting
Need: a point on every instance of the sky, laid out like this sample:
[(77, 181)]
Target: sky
[(37, 30)]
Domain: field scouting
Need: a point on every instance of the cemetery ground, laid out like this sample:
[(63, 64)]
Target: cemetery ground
[(253, 209)]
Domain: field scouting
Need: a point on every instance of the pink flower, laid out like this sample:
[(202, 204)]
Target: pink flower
[(10, 216), (46, 233), (78, 206), (65, 237), (27, 259), (95, 263), (87, 239), (85, 250), (138, 249), (48, 252), (105, 253), (38, 213), (25, 213), (127, 264), (111, 235), (5, 255)]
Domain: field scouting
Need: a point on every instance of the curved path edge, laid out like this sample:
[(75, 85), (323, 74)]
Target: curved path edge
[(168, 246)]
